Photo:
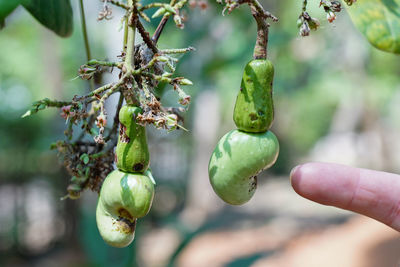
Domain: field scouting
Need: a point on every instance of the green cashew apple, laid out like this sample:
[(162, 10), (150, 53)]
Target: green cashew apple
[(124, 197), (132, 153), (254, 108), (237, 159)]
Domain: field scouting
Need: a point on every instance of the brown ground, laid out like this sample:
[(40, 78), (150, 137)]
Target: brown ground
[(360, 242)]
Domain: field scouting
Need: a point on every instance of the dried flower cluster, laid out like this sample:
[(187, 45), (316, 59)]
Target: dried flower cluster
[(306, 23), (88, 154)]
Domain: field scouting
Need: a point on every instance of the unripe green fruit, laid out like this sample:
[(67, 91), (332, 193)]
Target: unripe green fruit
[(132, 153), (124, 197), (254, 109), (237, 159)]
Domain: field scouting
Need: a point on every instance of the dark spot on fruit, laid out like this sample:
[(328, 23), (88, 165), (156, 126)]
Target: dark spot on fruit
[(249, 80), (126, 226), (253, 183), (241, 89), (253, 116), (260, 112), (123, 213), (138, 167)]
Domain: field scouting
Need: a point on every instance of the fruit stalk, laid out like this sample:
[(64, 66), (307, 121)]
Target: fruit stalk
[(260, 48)]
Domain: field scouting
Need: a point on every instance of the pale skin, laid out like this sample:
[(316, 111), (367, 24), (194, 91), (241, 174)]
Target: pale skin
[(372, 193)]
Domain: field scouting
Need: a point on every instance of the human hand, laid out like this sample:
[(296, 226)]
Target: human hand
[(372, 193)]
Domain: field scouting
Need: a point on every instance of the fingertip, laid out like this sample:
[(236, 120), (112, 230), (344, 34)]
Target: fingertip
[(298, 173), (306, 180), (294, 175)]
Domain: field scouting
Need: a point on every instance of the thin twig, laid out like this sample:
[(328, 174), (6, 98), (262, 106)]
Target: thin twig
[(85, 38), (146, 37), (151, 5), (95, 62), (125, 34), (159, 29), (304, 7), (261, 11), (177, 50), (119, 4), (116, 119), (94, 93), (161, 25)]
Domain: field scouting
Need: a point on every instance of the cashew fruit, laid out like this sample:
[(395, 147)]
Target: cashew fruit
[(236, 160), (124, 197), (132, 153), (254, 109)]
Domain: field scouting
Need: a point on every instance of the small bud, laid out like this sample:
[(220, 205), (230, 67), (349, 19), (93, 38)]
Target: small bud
[(99, 139), (330, 16), (172, 122), (184, 100), (66, 112), (167, 74), (305, 29), (26, 114), (178, 22), (313, 24), (101, 120), (86, 72), (74, 191), (185, 81), (306, 16), (336, 6)]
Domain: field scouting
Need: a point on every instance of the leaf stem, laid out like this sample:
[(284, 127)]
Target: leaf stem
[(85, 38), (84, 31), (260, 49)]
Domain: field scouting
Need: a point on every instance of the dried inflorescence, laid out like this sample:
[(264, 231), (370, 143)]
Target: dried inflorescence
[(306, 23), (87, 168), (88, 155)]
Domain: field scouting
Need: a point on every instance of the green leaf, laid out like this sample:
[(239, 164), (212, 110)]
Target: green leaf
[(56, 15), (161, 11), (185, 81), (170, 9), (379, 22), (6, 7), (85, 158), (41, 106)]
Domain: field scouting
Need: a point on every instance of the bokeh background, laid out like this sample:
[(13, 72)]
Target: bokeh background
[(336, 99)]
